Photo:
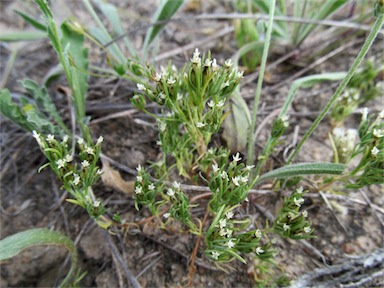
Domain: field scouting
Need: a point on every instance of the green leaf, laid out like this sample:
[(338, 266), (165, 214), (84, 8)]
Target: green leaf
[(22, 36), (31, 21), (110, 11), (236, 125), (14, 244), (306, 82), (79, 59), (302, 169), (44, 102), (319, 13), (165, 11), (12, 111)]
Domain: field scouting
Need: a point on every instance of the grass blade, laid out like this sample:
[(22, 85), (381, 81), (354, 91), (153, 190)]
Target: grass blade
[(164, 12), (109, 10), (22, 36), (31, 21), (14, 244), (302, 169)]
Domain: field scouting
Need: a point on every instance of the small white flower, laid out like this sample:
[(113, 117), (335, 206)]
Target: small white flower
[(215, 255), (85, 164), (139, 168), (68, 158), (259, 251), (222, 232), (61, 163), (80, 141), (381, 114), (250, 167), (240, 74), (220, 103), (99, 172), (215, 168), (89, 150), (179, 96), (166, 215), (211, 104), (76, 179), (298, 202), (285, 119), (141, 87), (224, 175), (96, 204), (231, 244), (258, 233), (171, 81), (157, 77), (375, 151), (378, 133), (244, 179), (237, 157), (151, 187), (200, 124), (300, 190), (65, 139), (99, 140), (207, 62), (215, 67), (222, 223), (229, 233), (228, 63), (305, 213), (139, 178), (229, 214), (195, 58), (50, 138), (286, 227), (37, 137), (138, 190), (225, 84), (162, 96), (158, 143), (162, 125), (176, 185), (235, 180), (170, 192), (307, 229), (364, 114)]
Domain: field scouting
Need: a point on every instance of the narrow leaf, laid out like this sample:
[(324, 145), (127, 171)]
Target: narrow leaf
[(165, 11), (302, 169), (22, 36), (14, 244), (31, 21)]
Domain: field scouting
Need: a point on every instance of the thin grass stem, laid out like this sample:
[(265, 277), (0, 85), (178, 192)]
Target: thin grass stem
[(251, 141), (364, 49)]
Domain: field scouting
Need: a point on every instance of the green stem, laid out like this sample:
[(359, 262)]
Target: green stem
[(251, 141), (368, 43)]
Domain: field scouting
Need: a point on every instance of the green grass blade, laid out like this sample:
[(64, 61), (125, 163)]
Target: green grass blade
[(356, 63), (251, 131), (165, 11), (327, 8), (14, 244), (307, 82), (33, 22), (103, 35), (302, 169), (110, 11), (22, 36)]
